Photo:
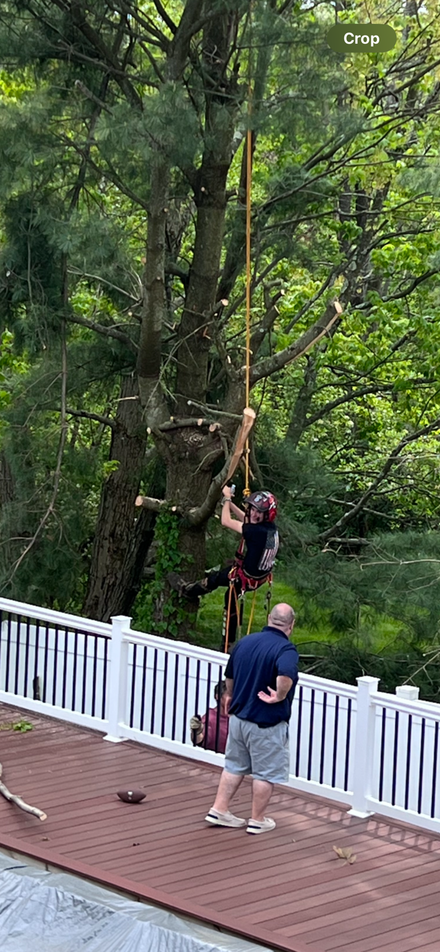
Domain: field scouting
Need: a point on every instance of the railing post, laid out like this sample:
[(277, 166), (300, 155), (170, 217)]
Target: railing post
[(363, 746), (117, 682), (408, 692)]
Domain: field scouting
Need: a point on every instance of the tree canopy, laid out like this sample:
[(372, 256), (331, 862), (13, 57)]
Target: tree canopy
[(123, 175)]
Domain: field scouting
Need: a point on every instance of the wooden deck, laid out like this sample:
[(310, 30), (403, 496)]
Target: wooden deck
[(286, 890)]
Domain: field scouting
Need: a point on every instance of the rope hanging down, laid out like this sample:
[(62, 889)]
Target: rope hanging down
[(248, 269)]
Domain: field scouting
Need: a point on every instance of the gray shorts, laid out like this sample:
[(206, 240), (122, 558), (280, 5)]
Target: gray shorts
[(262, 752)]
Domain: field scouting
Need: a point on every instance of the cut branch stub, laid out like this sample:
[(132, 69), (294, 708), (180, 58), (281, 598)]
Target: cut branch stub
[(155, 505)]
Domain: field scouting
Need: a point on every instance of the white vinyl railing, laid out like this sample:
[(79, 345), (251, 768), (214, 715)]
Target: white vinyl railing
[(373, 751)]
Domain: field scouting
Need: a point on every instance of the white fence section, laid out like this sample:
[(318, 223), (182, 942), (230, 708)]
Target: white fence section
[(373, 751)]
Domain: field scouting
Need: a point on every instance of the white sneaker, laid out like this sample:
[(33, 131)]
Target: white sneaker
[(261, 826), (224, 819)]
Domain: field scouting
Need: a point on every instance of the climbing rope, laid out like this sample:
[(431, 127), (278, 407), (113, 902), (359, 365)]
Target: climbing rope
[(248, 263), (246, 490)]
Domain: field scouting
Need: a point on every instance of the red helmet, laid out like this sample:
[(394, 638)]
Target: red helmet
[(263, 502)]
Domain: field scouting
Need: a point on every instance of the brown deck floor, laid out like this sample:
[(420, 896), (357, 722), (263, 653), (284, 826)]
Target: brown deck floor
[(286, 890)]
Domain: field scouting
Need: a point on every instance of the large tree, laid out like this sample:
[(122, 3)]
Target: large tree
[(123, 175)]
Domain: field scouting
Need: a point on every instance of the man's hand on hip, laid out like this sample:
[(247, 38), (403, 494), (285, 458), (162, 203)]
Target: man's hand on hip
[(270, 698), (274, 697)]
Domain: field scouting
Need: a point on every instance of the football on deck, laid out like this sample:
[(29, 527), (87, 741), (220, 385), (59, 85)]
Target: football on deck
[(131, 796)]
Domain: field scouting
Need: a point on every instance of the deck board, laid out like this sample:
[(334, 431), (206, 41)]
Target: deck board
[(287, 890)]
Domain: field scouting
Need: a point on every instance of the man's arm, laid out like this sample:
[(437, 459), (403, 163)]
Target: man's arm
[(228, 698), (274, 697)]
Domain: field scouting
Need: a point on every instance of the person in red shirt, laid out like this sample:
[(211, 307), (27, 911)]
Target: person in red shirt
[(214, 736)]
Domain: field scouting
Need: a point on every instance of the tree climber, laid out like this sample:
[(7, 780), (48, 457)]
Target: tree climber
[(256, 525)]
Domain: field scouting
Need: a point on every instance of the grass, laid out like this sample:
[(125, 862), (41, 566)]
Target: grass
[(313, 627), (209, 620)]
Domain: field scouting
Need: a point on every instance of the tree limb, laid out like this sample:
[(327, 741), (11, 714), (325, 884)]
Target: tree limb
[(391, 461), (106, 421), (321, 327), (167, 19), (105, 330), (13, 798)]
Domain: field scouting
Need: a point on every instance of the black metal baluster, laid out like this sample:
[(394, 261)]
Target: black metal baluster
[(8, 652), (185, 701), (75, 669), (382, 753), (46, 660), (323, 726), (36, 680), (164, 695), (421, 765), (55, 666), (434, 771), (335, 740), (104, 680), (176, 688), (311, 726), (395, 755), (133, 685), (65, 663), (144, 686), (94, 674), (207, 701), (408, 760), (153, 693), (298, 732), (347, 743), (84, 678), (17, 653), (26, 658)]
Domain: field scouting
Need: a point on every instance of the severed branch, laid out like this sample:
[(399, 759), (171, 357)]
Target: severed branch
[(175, 423), (240, 442), (13, 798)]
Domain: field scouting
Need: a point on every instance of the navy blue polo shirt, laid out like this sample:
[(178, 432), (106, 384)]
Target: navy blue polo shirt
[(254, 665)]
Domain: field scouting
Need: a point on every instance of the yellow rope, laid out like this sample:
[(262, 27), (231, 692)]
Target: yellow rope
[(248, 263), (251, 614)]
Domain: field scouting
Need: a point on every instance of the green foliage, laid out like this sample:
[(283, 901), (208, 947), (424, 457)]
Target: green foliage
[(21, 726), (345, 203), (158, 609)]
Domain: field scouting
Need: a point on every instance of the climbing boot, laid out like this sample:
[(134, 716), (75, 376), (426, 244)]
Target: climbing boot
[(186, 589)]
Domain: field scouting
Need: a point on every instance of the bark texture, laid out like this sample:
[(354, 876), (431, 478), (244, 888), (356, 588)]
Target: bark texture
[(122, 535)]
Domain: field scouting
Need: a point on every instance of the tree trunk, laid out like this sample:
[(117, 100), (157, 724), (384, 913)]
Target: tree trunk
[(303, 402), (122, 535), (6, 481), (189, 454)]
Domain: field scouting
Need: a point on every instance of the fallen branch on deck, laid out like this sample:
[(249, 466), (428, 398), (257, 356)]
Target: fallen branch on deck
[(18, 800)]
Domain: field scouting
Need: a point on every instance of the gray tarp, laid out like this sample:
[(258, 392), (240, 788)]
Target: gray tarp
[(51, 911)]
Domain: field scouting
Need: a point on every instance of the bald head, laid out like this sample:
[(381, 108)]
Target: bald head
[(282, 616)]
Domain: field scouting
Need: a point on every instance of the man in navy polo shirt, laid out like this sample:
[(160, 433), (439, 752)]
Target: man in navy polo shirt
[(261, 677)]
